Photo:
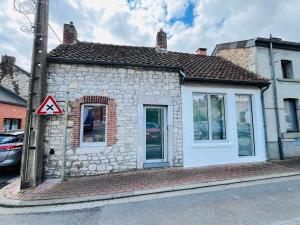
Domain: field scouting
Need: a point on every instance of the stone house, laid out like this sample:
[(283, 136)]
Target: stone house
[(14, 77), (140, 107), (279, 61)]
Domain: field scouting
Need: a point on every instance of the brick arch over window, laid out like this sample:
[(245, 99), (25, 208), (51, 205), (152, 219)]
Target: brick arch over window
[(111, 118)]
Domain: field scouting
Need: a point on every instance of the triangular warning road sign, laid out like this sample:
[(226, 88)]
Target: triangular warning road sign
[(49, 107)]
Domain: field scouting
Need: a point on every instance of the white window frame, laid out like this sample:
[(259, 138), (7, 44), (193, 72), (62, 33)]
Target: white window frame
[(210, 140), (92, 144), (293, 111)]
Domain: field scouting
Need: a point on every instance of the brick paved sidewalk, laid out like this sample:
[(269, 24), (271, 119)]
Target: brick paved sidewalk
[(146, 180)]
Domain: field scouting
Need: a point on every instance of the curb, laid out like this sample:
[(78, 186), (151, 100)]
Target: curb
[(10, 203)]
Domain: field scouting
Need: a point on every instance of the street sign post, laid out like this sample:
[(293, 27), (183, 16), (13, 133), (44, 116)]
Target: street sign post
[(49, 107)]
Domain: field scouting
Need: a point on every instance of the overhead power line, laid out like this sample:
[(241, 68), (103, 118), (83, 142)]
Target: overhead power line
[(55, 34)]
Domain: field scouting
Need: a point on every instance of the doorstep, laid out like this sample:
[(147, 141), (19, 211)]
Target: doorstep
[(139, 183)]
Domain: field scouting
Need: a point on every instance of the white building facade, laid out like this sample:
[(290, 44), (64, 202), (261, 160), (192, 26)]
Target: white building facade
[(221, 124)]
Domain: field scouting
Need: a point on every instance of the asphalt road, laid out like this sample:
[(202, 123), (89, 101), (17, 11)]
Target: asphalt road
[(276, 203)]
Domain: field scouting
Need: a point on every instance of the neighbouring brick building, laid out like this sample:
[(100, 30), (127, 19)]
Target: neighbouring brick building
[(12, 110), (138, 107)]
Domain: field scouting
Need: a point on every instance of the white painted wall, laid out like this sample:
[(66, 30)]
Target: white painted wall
[(210, 153)]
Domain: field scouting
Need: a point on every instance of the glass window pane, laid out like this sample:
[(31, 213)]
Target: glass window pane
[(154, 133), (15, 124), (6, 124), (200, 117), (290, 116), (94, 122), (244, 125), (217, 117)]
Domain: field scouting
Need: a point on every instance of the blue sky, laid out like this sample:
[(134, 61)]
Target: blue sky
[(190, 24)]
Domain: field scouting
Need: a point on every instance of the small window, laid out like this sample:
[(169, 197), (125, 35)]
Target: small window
[(287, 69), (93, 125), (291, 115), (11, 124), (208, 117)]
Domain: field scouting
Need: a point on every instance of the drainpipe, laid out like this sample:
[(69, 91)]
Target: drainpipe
[(182, 76), (264, 119), (275, 100)]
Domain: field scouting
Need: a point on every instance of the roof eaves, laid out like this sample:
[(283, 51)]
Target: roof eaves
[(13, 103), (110, 63), (11, 93), (286, 45), (225, 81)]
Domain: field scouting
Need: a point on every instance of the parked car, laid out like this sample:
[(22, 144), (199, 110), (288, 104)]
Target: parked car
[(153, 135), (11, 144)]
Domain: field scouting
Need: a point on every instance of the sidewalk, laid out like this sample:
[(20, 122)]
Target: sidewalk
[(137, 183)]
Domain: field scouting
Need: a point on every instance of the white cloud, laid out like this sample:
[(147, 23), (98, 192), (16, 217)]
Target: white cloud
[(135, 22)]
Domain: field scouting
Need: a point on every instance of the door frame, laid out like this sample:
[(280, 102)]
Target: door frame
[(165, 134)]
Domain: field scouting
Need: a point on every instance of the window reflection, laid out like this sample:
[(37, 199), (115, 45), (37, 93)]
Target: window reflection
[(94, 123), (245, 125), (209, 117)]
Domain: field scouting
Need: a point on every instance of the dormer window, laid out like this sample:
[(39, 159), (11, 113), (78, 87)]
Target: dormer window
[(287, 69)]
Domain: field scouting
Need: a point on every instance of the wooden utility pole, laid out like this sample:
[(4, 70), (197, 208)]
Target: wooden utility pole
[(33, 150)]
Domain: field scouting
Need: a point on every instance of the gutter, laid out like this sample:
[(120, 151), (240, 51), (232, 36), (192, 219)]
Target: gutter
[(240, 82), (13, 103)]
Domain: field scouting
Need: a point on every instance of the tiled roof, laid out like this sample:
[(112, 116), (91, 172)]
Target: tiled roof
[(9, 97), (210, 68)]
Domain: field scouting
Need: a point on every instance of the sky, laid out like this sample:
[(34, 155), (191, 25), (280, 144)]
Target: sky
[(189, 24)]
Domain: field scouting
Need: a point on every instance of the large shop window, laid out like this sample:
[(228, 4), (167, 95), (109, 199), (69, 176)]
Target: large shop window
[(93, 127), (291, 115), (208, 117), (11, 124), (245, 125)]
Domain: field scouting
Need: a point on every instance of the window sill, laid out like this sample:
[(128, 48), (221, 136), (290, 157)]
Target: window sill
[(90, 149), (291, 135), (212, 145)]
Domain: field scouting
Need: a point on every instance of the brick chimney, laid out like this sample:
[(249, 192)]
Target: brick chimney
[(70, 34), (7, 63), (161, 40), (201, 51)]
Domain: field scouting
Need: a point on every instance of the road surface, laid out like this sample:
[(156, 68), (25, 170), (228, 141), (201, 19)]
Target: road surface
[(276, 203)]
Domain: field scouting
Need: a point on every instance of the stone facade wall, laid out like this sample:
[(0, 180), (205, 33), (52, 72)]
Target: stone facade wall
[(125, 87), (15, 80), (244, 57)]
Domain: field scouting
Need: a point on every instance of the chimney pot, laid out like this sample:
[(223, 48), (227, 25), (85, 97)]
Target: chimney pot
[(7, 63), (70, 34), (201, 51), (161, 40)]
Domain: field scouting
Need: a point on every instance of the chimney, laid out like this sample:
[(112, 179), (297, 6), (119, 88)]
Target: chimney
[(70, 34), (161, 40), (7, 63), (201, 51)]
